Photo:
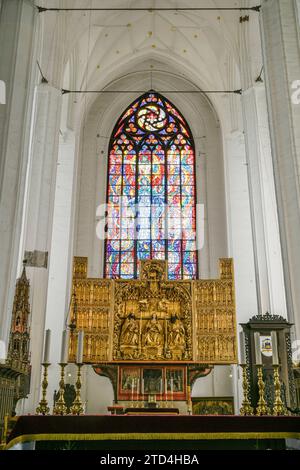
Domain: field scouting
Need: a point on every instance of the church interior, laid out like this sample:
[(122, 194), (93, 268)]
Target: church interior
[(150, 224)]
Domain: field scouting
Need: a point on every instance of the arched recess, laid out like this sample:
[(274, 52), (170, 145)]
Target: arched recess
[(97, 128)]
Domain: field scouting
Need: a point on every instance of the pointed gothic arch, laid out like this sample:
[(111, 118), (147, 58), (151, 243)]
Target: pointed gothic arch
[(151, 191)]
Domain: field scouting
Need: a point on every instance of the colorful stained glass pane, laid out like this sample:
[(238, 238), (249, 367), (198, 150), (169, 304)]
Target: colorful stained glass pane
[(173, 157), (187, 190), (158, 169), (115, 158), (174, 257), (173, 170), (174, 212), (115, 190), (128, 180), (144, 169), (112, 245), (158, 157), (143, 245), (158, 245), (174, 200), (187, 201), (158, 180), (185, 179), (127, 268), (144, 190), (127, 245), (129, 158), (129, 169), (115, 180), (157, 233), (116, 169), (144, 201), (174, 234), (145, 158), (112, 270), (113, 233), (174, 245), (189, 245), (158, 255), (158, 190), (158, 200), (173, 190), (127, 233), (174, 180), (144, 254), (113, 257), (129, 191), (151, 187), (127, 257), (188, 234), (187, 157), (189, 270)]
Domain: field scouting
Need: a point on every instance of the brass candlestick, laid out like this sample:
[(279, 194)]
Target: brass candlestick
[(246, 409), (60, 406), (262, 408), (43, 408), (77, 407), (279, 408)]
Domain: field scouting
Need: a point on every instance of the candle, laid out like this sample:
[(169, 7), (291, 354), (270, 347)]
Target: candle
[(47, 347), (274, 348), (242, 348), (258, 359), (64, 347), (79, 358), (137, 388)]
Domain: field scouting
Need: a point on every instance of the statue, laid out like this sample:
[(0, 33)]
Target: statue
[(176, 337), (153, 333), (130, 331)]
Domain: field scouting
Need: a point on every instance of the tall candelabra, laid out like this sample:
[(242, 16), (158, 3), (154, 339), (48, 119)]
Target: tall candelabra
[(246, 409), (262, 407), (77, 407), (43, 408), (60, 406), (279, 408)]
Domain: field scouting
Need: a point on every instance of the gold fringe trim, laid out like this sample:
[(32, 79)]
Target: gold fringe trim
[(153, 436)]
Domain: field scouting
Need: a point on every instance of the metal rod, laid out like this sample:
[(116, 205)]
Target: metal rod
[(237, 92), (150, 10)]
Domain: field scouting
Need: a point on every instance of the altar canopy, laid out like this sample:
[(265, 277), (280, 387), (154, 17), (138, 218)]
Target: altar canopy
[(153, 319)]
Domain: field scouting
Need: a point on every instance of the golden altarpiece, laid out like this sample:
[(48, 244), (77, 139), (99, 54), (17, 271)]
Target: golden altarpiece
[(153, 337)]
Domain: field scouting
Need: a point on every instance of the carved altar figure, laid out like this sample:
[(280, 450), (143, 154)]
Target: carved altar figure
[(153, 337), (129, 337), (176, 337)]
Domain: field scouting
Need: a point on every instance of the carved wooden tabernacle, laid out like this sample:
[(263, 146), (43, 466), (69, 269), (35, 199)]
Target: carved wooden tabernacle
[(152, 319)]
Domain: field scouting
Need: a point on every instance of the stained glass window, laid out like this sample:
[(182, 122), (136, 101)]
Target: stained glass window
[(151, 195)]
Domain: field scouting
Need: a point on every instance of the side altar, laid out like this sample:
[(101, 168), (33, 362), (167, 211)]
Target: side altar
[(151, 336)]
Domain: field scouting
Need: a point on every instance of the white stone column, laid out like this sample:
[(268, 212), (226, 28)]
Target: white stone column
[(39, 220), (60, 267), (265, 230), (280, 35), (17, 26)]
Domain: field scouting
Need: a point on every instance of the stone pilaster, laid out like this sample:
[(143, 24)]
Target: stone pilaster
[(280, 35)]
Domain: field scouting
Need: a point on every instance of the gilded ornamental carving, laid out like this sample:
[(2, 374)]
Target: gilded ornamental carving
[(154, 319)]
